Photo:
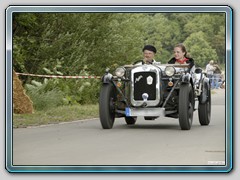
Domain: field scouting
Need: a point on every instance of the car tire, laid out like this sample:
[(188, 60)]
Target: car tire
[(186, 106), (107, 105), (130, 120), (204, 111)]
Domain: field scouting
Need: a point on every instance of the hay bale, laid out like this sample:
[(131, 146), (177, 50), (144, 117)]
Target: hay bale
[(22, 104)]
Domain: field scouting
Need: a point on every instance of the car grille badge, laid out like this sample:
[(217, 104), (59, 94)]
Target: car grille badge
[(149, 80), (138, 78)]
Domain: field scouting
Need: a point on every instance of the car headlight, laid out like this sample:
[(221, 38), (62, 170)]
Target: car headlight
[(120, 72), (169, 70)]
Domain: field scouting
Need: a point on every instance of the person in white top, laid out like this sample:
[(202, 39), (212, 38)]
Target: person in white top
[(209, 70)]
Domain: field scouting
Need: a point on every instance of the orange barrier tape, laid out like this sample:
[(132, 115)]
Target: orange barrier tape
[(63, 77)]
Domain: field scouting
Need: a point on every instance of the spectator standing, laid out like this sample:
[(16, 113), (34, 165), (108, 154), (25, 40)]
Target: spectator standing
[(222, 85), (209, 70), (216, 76)]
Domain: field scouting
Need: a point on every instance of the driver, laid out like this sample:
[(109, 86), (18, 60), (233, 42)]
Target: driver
[(149, 52), (180, 56)]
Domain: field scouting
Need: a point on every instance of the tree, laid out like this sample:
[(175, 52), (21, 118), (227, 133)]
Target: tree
[(199, 49), (212, 25), (219, 45), (159, 31)]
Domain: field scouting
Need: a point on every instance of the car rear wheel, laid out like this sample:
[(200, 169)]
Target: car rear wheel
[(204, 110), (186, 106), (130, 120), (107, 105)]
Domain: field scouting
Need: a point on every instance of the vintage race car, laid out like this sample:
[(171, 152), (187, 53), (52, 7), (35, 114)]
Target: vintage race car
[(155, 90)]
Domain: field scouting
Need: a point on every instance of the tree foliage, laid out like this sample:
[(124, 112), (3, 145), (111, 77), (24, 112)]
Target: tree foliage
[(199, 49), (88, 43)]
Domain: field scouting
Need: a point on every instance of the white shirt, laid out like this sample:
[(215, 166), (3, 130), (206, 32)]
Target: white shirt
[(141, 63), (210, 69)]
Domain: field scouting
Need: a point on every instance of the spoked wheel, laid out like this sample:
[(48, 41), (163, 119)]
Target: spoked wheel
[(204, 110), (107, 105), (186, 106), (130, 120)]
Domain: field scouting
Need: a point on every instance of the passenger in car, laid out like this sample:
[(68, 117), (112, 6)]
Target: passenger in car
[(180, 56)]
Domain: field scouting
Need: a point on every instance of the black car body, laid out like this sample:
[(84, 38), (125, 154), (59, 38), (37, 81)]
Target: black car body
[(155, 90)]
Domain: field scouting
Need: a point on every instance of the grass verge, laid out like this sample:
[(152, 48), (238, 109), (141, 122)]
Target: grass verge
[(56, 115)]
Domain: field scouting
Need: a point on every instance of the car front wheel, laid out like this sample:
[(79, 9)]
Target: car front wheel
[(186, 106), (107, 105)]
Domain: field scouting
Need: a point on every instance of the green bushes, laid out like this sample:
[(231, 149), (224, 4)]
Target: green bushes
[(57, 92), (42, 97)]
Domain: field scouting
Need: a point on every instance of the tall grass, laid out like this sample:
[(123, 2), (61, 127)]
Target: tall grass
[(46, 100), (43, 98)]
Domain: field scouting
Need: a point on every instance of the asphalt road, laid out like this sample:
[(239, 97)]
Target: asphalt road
[(159, 142)]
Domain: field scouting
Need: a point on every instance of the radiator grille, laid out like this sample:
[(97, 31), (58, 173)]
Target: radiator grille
[(144, 82)]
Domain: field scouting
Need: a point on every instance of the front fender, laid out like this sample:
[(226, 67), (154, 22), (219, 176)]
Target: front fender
[(107, 78), (186, 78)]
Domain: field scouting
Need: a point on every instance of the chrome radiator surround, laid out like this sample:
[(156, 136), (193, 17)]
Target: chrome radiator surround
[(145, 68)]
